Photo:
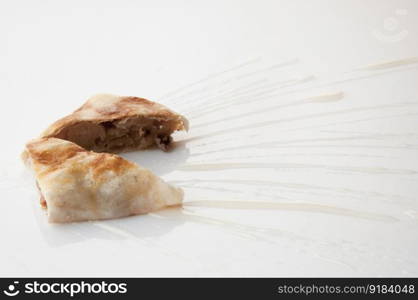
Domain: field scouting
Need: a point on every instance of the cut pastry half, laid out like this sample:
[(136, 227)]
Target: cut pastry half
[(80, 185), (110, 123)]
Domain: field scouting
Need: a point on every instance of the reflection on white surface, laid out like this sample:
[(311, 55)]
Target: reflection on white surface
[(299, 162)]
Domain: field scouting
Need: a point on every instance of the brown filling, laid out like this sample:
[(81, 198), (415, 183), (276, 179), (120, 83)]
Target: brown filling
[(121, 135)]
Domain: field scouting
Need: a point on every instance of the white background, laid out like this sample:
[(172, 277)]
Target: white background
[(302, 159)]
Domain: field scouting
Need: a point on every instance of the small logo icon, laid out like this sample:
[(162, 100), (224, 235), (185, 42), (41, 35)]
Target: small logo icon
[(12, 291), (392, 31)]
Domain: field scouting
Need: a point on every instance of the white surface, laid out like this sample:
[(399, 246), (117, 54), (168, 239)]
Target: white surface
[(315, 174)]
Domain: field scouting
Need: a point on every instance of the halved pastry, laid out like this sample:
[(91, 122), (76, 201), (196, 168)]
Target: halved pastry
[(79, 185), (109, 123)]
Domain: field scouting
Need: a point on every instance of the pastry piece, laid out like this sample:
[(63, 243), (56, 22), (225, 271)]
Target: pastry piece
[(109, 123), (80, 185)]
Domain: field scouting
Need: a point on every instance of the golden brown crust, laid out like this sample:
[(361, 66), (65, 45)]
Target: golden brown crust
[(78, 185), (107, 162), (60, 152), (106, 107), (51, 158)]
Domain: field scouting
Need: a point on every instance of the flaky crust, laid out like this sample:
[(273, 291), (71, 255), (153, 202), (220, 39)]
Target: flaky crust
[(80, 185), (107, 107)]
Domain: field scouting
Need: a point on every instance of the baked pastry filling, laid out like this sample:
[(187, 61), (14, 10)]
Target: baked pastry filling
[(121, 134), (76, 183), (110, 123)]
